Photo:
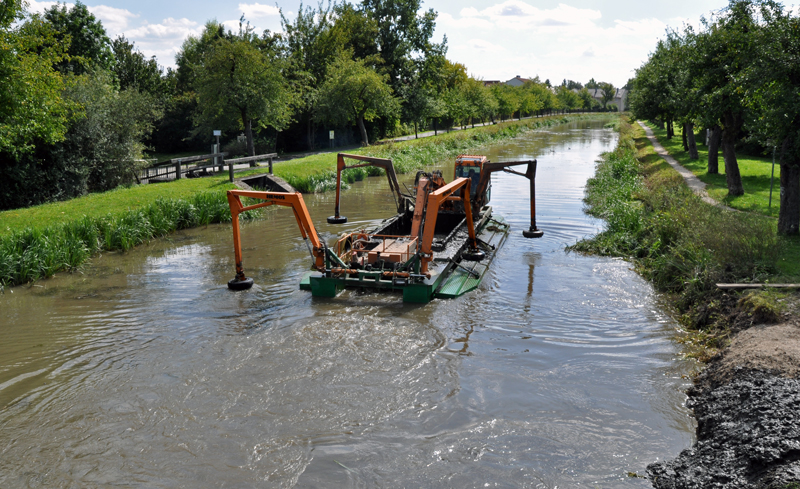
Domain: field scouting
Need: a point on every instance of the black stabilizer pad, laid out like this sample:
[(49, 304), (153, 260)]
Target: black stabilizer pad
[(533, 233), (240, 284), (337, 220), (473, 255)]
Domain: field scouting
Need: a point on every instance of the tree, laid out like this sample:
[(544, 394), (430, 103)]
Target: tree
[(478, 100), (724, 50), (773, 93), (507, 100), (354, 92), (569, 99), (653, 95), (237, 85), (10, 11), (310, 48), (76, 27), (421, 102), (587, 101), (608, 91), (354, 30), (32, 110), (403, 32), (105, 139), (591, 84), (133, 70)]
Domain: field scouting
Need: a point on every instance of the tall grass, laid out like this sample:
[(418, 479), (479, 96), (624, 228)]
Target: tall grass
[(31, 253), (682, 244)]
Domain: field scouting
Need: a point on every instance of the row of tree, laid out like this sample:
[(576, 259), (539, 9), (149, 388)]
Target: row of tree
[(77, 109), (739, 77)]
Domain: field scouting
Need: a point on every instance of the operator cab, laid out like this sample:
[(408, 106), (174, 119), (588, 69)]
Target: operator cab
[(471, 166)]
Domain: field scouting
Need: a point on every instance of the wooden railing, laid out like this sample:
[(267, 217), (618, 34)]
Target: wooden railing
[(175, 168)]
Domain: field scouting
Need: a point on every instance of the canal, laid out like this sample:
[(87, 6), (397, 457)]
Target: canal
[(144, 370)]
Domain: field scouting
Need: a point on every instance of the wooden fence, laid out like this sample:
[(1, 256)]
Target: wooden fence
[(176, 168)]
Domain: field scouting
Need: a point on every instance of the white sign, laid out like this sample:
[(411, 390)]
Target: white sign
[(331, 135), (217, 132)]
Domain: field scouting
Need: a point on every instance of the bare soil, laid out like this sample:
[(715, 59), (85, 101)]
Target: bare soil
[(747, 405)]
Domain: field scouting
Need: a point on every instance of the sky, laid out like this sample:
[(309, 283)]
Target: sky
[(495, 39)]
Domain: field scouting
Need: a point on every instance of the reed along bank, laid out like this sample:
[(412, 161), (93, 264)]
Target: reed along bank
[(746, 399)]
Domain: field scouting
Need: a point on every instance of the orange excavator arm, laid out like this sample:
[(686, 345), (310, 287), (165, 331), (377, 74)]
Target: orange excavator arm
[(384, 163), (287, 199), (530, 174), (435, 200)]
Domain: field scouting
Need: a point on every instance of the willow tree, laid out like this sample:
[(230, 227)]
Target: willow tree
[(354, 93), (238, 85)]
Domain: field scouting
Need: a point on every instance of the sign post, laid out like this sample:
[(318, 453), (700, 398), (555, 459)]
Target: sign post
[(216, 149), (330, 136)]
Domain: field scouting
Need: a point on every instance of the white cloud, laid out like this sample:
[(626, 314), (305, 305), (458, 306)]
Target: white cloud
[(257, 10), (163, 40), (450, 24), (39, 7), (516, 37), (115, 20), (483, 45), (517, 14)]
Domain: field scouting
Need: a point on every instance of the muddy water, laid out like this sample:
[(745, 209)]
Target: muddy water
[(146, 371)]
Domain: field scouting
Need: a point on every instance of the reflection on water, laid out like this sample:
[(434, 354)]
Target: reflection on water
[(146, 371)]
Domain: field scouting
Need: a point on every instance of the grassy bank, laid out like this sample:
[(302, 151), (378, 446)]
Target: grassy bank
[(39, 241), (681, 244)]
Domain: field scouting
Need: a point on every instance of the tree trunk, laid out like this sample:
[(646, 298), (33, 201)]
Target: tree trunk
[(416, 136), (435, 128), (688, 130), (670, 129), (364, 138), (661, 123), (733, 123), (684, 138), (789, 214), (248, 132), (713, 150)]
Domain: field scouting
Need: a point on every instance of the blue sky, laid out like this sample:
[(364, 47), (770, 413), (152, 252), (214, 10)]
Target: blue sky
[(495, 39)]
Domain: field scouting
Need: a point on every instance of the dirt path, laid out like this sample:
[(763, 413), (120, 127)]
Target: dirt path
[(692, 181)]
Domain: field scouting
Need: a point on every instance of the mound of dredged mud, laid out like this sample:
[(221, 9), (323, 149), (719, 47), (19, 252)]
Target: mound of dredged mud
[(747, 405)]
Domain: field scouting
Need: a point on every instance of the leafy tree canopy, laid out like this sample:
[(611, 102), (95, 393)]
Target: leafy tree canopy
[(238, 84), (354, 92), (32, 110), (76, 27)]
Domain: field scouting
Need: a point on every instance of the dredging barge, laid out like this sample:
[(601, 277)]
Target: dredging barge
[(439, 244)]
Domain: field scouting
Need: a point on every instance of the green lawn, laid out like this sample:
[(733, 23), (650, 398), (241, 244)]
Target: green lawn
[(755, 171), (102, 204)]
